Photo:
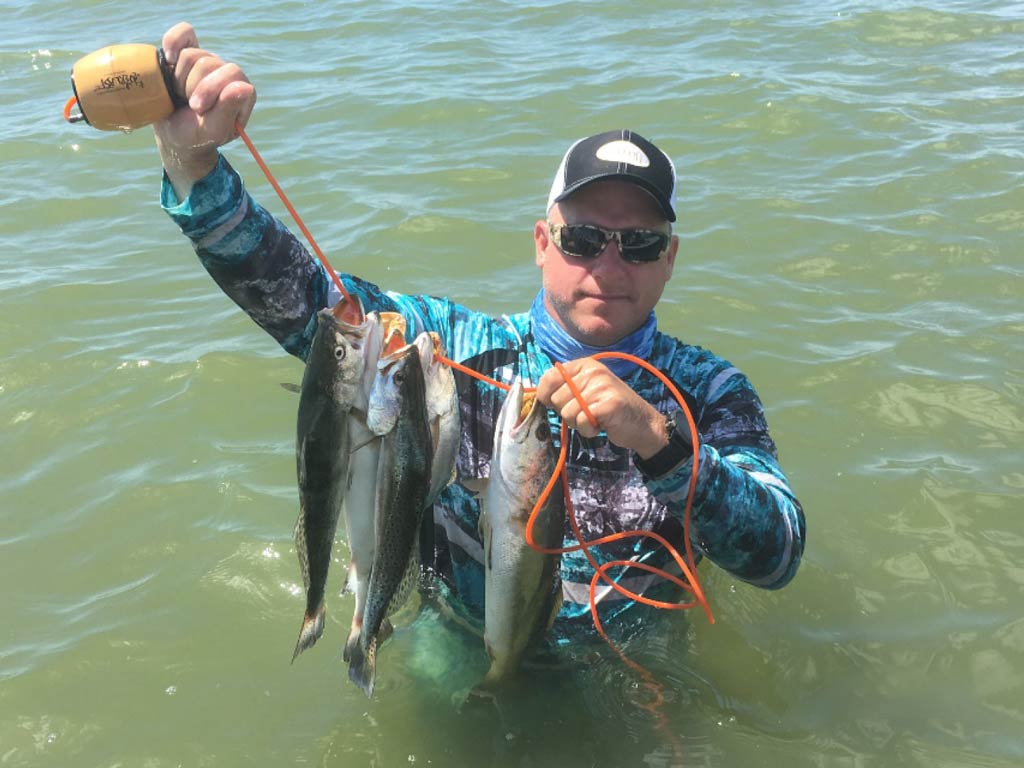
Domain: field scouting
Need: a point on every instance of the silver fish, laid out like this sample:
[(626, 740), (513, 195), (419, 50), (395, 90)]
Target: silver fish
[(522, 589), (360, 496), (333, 384), (442, 412), (397, 411)]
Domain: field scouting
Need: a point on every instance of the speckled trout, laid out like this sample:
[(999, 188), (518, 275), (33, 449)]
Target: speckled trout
[(522, 588), (398, 412), (360, 493), (335, 382), (442, 412)]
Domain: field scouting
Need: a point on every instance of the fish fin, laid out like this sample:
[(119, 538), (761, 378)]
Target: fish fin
[(350, 579), (291, 387), (353, 639), (363, 444), (300, 547), (556, 604), (312, 628), (435, 432), (476, 485), (362, 666), (409, 581), (486, 692), (482, 526)]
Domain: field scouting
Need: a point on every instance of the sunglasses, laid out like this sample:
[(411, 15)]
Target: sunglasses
[(585, 241)]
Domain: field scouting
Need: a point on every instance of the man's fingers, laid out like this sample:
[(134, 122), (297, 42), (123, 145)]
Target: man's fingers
[(549, 382), (201, 65), (231, 108), (245, 94), (575, 417), (218, 83), (176, 39), (188, 59)]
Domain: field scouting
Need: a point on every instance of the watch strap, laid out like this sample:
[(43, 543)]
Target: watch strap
[(669, 457)]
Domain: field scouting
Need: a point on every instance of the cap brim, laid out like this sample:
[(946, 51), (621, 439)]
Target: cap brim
[(650, 189)]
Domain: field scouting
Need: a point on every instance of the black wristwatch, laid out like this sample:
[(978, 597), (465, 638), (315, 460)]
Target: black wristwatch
[(678, 449)]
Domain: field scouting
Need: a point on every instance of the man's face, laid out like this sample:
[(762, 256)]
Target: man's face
[(599, 301)]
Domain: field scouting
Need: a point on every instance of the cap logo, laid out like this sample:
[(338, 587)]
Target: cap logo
[(623, 152)]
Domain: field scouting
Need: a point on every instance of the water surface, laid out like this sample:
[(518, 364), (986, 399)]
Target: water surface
[(851, 215)]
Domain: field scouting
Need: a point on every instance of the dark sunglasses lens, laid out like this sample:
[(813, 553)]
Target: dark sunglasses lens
[(583, 241), (642, 244)]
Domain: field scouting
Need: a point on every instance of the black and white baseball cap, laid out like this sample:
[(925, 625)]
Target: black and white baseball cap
[(621, 155)]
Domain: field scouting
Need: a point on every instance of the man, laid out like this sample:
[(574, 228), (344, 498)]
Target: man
[(605, 251)]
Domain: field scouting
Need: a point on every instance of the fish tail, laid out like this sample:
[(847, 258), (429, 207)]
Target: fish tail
[(312, 628), (486, 692), (353, 638), (362, 666)]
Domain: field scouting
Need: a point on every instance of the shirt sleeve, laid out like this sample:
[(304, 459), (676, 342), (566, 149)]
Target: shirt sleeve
[(266, 270), (745, 518)]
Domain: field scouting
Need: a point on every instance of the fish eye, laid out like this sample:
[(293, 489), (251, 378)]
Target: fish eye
[(399, 377), (544, 430), (339, 353)]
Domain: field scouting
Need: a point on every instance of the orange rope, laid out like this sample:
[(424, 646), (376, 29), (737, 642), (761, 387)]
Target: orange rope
[(687, 565), (576, 393), (67, 107), (470, 372), (346, 298)]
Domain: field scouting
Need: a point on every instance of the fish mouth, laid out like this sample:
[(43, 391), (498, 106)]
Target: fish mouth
[(394, 346), (341, 320), (395, 351), (349, 311), (529, 399), (519, 412)]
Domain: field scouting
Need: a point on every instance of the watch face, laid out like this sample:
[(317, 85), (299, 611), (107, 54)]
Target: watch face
[(670, 456)]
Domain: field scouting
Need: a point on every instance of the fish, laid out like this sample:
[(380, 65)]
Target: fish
[(522, 587), (442, 412), (360, 494), (398, 412), (333, 384)]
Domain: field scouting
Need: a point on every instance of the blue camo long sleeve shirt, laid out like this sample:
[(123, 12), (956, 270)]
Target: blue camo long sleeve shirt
[(746, 519)]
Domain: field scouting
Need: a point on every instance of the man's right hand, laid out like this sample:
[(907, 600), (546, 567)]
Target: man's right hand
[(219, 95)]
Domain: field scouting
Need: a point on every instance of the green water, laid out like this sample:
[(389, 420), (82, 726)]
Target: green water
[(852, 212)]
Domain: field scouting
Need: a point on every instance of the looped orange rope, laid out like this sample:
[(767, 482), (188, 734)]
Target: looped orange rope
[(347, 306), (687, 564), (577, 394)]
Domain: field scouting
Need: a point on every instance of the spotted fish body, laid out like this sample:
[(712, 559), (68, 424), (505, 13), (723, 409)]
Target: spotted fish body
[(398, 412), (522, 590), (333, 384)]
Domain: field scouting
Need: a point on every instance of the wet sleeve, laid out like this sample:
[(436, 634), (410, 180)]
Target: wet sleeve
[(746, 518), (262, 266)]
